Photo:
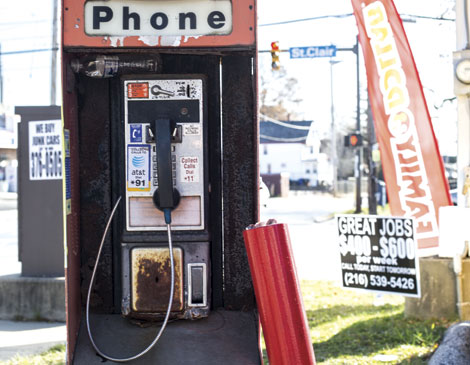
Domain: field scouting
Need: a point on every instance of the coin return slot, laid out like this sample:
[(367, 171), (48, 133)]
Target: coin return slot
[(197, 284)]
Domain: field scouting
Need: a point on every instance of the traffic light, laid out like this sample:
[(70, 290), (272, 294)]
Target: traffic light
[(353, 140), (275, 64)]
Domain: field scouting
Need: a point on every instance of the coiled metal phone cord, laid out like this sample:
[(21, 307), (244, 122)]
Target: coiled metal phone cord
[(170, 301)]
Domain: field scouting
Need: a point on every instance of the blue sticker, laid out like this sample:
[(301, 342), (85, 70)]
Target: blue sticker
[(136, 133)]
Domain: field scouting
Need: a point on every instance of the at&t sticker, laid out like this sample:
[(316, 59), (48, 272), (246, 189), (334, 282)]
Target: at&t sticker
[(138, 168)]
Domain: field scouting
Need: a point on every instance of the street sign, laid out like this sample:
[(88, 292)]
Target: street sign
[(312, 51), (379, 254)]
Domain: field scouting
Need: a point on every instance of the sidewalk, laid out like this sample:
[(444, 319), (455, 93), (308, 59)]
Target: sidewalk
[(22, 338), (29, 338)]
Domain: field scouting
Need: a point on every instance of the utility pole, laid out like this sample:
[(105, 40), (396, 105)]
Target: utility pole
[(334, 156), (372, 181), (357, 169), (1, 76), (54, 53)]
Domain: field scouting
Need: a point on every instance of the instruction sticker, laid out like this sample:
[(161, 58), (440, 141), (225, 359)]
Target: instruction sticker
[(191, 129), (138, 90), (138, 168), (189, 169), (45, 150)]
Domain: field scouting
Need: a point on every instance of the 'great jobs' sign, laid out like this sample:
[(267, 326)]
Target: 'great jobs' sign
[(45, 150), (378, 254), (121, 18)]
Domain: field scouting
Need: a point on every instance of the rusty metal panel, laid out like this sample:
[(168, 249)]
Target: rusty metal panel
[(151, 278)]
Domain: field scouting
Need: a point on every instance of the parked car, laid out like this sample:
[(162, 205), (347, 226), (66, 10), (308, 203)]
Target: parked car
[(264, 194)]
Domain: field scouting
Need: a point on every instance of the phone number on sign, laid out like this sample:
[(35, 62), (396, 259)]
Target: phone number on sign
[(380, 281), (46, 164)]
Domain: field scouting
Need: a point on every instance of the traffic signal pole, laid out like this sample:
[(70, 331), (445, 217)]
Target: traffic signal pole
[(357, 168)]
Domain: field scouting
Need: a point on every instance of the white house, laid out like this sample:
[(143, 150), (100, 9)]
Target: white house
[(292, 147)]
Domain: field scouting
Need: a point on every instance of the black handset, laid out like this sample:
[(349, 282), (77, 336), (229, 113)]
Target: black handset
[(165, 197)]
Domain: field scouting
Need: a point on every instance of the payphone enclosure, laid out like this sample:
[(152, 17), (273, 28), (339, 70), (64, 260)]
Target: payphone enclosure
[(204, 89)]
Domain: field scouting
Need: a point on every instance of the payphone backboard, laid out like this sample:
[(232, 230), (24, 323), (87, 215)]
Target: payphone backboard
[(180, 100)]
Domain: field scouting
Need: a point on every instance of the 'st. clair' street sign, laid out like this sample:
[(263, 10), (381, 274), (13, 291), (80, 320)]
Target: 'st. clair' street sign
[(313, 51)]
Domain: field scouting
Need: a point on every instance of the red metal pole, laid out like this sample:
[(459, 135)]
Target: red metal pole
[(278, 296)]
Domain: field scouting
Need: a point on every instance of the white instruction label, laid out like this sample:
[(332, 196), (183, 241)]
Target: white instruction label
[(189, 169), (138, 168), (45, 150), (191, 129)]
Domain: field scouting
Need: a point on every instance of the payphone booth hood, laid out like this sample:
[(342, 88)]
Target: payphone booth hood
[(242, 34)]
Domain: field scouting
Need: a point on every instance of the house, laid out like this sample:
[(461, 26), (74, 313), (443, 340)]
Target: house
[(293, 147)]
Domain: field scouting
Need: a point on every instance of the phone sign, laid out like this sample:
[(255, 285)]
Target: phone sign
[(138, 168)]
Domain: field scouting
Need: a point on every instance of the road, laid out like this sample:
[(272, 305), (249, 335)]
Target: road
[(312, 230), (307, 215), (9, 238)]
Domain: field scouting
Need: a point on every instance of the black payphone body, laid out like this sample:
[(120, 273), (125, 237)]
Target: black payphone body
[(144, 265)]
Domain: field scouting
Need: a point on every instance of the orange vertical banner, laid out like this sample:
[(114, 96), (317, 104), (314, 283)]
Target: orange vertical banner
[(412, 164)]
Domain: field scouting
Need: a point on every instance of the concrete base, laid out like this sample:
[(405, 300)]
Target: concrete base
[(27, 298), (438, 290)]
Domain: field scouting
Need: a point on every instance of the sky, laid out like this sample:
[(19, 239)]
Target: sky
[(432, 43), (27, 24)]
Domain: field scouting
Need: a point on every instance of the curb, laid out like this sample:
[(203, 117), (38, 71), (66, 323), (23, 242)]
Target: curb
[(31, 298)]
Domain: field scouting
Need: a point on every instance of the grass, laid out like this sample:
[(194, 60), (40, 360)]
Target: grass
[(347, 327), (53, 356)]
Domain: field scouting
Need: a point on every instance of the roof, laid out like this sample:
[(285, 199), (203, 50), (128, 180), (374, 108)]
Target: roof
[(273, 131)]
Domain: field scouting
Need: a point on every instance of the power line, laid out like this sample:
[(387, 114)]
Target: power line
[(29, 51), (340, 16), (307, 19), (428, 17), (26, 22), (3, 40)]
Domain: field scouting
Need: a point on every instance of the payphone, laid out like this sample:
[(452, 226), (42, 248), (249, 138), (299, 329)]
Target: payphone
[(164, 138), (164, 188), (162, 124)]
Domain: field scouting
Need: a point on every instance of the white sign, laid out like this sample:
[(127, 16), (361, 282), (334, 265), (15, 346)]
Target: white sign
[(45, 150), (378, 253), (189, 169), (138, 167), (158, 18)]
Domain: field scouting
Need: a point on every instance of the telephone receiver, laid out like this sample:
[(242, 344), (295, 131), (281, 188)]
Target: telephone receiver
[(166, 197)]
